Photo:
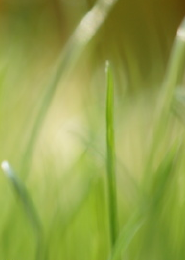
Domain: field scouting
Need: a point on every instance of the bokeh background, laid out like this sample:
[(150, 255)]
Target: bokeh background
[(66, 172), (136, 37)]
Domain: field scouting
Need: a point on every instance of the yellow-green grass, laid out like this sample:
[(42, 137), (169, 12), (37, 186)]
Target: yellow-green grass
[(86, 177)]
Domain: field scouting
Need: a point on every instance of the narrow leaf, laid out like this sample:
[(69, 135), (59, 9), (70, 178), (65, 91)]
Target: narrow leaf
[(112, 202)]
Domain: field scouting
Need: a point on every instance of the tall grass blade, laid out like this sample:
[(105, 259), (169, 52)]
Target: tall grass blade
[(83, 34), (126, 235), (173, 75), (149, 206), (28, 206), (112, 201), (175, 71)]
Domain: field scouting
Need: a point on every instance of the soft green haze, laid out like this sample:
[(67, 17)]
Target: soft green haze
[(92, 151)]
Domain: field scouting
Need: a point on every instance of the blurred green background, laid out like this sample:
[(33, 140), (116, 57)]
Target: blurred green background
[(63, 166), (136, 37)]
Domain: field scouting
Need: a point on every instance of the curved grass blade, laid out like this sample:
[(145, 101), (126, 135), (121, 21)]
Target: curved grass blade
[(126, 235), (83, 34), (150, 205), (175, 71), (110, 160), (28, 206), (164, 174), (173, 75), (179, 104)]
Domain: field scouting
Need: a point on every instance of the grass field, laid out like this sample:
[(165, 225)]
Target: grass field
[(90, 170)]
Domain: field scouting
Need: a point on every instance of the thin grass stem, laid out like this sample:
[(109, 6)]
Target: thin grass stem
[(28, 206), (111, 182)]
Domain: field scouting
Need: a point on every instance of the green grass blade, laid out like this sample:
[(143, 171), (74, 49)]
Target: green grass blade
[(28, 205), (149, 206), (179, 104), (127, 234), (165, 179), (173, 76), (165, 173), (112, 202), (87, 28)]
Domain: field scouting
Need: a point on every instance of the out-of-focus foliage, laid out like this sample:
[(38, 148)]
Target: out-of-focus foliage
[(61, 134), (137, 35)]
